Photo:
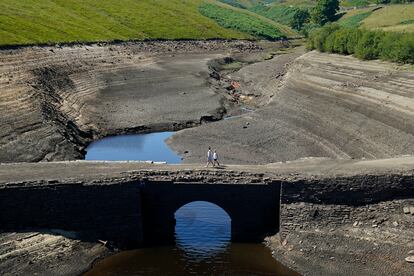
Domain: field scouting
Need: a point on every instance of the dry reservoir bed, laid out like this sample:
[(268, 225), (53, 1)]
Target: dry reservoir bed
[(56, 100)]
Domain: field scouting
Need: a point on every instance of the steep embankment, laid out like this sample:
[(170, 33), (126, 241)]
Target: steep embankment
[(55, 100), (325, 106)]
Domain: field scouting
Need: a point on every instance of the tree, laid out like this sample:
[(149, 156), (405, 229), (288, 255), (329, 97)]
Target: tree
[(300, 17), (325, 11)]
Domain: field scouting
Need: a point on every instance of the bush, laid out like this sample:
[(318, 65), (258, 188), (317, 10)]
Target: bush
[(319, 37), (368, 46), (308, 28), (325, 11), (364, 44), (300, 17)]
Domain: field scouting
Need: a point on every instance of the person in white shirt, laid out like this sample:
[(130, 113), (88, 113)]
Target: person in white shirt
[(210, 157), (215, 158)]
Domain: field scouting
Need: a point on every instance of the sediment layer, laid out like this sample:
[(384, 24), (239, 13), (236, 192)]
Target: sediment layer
[(317, 105), (55, 100)]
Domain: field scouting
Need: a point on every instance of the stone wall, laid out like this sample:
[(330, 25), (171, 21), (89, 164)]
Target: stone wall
[(99, 211), (135, 212), (369, 200), (253, 208)]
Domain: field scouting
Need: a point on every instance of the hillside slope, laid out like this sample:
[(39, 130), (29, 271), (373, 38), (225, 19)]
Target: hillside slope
[(325, 106), (50, 21), (398, 18)]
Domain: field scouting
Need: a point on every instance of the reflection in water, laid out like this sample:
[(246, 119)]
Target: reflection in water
[(140, 147), (203, 248), (202, 231)]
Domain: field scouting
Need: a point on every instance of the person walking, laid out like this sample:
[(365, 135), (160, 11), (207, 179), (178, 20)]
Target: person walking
[(215, 158), (209, 157)]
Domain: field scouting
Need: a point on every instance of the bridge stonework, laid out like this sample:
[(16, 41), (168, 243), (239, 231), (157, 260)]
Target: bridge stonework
[(136, 212), (253, 208)]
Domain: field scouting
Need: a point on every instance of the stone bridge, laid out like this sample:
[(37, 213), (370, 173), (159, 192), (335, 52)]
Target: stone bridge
[(139, 211), (134, 203), (253, 208)]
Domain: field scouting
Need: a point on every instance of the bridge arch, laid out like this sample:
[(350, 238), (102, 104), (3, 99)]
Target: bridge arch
[(202, 225), (253, 208)]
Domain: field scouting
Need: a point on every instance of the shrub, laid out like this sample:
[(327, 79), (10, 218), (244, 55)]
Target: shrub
[(368, 46), (300, 17), (319, 37), (364, 44), (325, 11), (308, 28)]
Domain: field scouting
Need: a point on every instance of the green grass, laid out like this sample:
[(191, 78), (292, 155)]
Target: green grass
[(355, 20), (245, 21), (389, 18), (356, 3), (282, 11), (281, 14), (396, 18), (57, 21)]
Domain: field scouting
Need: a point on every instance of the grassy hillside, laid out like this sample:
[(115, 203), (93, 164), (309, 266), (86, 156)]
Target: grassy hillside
[(246, 21), (50, 21), (391, 18), (398, 18)]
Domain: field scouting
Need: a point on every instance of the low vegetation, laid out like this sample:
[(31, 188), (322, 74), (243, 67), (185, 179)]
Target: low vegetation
[(56, 21), (355, 20), (242, 21), (391, 18), (364, 44)]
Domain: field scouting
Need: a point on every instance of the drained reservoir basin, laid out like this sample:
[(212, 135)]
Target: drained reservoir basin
[(139, 147), (203, 247)]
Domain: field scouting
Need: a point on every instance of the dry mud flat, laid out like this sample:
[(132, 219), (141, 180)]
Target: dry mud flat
[(55, 100), (315, 105), (51, 252)]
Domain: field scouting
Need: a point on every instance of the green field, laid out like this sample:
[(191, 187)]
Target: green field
[(397, 18), (354, 21), (51, 21), (246, 21), (391, 18)]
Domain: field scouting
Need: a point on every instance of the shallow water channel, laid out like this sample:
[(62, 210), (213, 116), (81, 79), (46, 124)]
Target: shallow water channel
[(203, 247), (139, 147)]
